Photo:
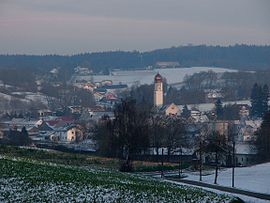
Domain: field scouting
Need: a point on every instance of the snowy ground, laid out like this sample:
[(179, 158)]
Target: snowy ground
[(254, 178), (31, 181), (173, 75), (245, 198)]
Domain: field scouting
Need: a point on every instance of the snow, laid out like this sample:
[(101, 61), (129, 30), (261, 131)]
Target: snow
[(32, 181), (254, 178), (209, 106), (173, 75), (245, 198), (245, 148)]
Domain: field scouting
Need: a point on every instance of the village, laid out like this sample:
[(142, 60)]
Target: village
[(73, 127)]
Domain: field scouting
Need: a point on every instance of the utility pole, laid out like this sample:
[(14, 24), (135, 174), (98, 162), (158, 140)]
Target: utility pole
[(180, 164), (181, 167), (233, 162), (216, 157), (200, 160), (162, 172)]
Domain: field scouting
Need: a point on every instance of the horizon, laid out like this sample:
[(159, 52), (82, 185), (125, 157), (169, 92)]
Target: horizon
[(64, 28), (140, 51)]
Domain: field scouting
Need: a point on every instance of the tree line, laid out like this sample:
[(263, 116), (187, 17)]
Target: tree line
[(242, 57), (134, 130)]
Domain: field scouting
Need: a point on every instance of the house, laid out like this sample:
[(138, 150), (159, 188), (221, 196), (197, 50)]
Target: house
[(170, 110), (101, 90), (75, 109), (54, 72), (67, 134), (44, 127), (70, 134), (89, 86), (221, 127), (244, 111), (247, 129), (98, 96), (245, 154), (115, 88), (62, 121), (44, 112), (82, 70), (167, 64), (108, 101), (213, 94), (197, 116), (33, 131), (106, 82)]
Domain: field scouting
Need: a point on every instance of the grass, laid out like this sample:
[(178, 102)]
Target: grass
[(77, 159), (152, 166), (30, 175), (31, 181)]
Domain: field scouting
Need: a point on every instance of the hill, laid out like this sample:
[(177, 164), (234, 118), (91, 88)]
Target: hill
[(242, 57), (30, 180)]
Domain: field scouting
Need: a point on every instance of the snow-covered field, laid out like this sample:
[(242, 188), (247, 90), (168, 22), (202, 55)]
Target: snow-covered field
[(254, 178), (31, 181), (173, 75), (21, 99)]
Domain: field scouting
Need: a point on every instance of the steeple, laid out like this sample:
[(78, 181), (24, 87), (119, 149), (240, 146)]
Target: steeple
[(158, 91)]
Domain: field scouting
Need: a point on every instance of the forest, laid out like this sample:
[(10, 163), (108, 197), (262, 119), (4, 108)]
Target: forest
[(241, 57)]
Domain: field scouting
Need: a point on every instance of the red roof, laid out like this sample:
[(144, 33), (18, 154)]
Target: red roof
[(65, 119)]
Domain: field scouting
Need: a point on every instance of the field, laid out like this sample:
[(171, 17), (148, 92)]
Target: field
[(133, 77), (30, 180)]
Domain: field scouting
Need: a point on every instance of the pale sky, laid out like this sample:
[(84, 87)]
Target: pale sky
[(75, 26)]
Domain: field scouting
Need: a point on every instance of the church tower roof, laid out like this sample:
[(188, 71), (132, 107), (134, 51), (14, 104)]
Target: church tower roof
[(158, 78)]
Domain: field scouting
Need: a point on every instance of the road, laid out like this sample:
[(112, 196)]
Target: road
[(172, 176)]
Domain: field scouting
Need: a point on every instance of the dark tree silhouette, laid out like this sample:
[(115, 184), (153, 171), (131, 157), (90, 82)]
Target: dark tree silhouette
[(219, 109), (125, 135), (265, 98), (259, 100), (185, 112), (263, 139)]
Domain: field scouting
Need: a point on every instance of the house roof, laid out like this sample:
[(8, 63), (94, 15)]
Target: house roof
[(245, 148), (120, 86), (44, 127), (111, 96), (101, 90), (158, 78)]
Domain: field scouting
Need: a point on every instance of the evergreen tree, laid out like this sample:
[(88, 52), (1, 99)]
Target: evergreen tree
[(259, 100), (263, 139), (254, 100), (219, 109), (24, 137), (265, 98), (185, 112)]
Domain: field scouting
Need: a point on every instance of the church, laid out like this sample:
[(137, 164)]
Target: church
[(168, 110)]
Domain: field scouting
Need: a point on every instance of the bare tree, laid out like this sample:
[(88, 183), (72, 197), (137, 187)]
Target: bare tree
[(175, 133)]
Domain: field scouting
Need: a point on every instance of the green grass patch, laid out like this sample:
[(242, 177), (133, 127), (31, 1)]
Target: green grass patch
[(28, 181)]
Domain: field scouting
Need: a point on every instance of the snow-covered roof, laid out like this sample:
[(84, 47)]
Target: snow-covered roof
[(245, 148), (254, 123)]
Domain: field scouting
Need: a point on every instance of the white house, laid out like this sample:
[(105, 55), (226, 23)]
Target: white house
[(245, 154)]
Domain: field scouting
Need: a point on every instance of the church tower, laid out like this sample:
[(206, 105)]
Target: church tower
[(158, 91)]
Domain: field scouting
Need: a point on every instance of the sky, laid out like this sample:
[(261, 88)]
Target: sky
[(76, 26)]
